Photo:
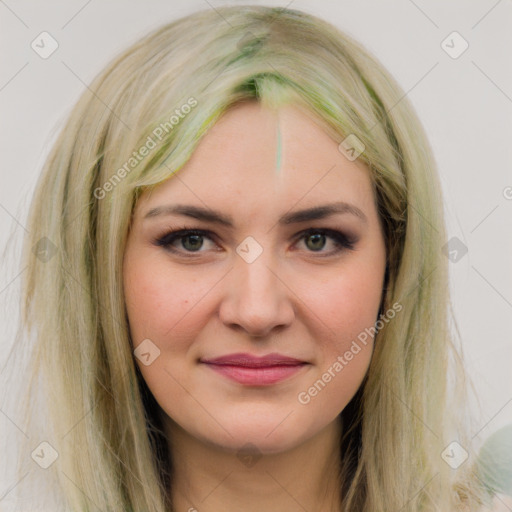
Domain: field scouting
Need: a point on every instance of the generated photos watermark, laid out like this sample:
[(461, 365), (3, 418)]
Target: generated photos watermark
[(137, 156), (305, 397)]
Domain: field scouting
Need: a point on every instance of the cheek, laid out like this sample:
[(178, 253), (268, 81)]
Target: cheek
[(161, 303), (166, 308), (346, 302), (345, 306)]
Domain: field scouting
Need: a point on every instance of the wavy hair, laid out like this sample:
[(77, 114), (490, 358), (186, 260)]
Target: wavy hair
[(164, 93)]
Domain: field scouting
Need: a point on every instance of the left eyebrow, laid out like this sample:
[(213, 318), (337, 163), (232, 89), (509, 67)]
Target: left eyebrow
[(208, 215)]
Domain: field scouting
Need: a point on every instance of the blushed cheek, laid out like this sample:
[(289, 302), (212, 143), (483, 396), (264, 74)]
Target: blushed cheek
[(349, 308), (348, 303), (161, 305)]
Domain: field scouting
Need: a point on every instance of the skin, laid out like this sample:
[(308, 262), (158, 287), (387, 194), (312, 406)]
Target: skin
[(299, 298)]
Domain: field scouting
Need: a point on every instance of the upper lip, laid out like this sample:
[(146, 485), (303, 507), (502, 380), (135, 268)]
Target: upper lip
[(252, 361)]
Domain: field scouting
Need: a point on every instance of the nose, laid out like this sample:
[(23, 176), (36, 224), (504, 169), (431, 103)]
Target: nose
[(257, 300)]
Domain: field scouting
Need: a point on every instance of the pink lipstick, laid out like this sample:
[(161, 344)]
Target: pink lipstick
[(253, 370)]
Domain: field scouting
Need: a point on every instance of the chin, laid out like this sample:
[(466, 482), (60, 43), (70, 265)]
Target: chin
[(264, 438), (256, 444)]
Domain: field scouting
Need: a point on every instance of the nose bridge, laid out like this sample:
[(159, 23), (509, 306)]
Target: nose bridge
[(256, 271), (257, 299)]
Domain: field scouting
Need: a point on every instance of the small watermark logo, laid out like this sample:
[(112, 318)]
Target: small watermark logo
[(351, 147), (44, 455), (249, 249), (146, 352), (44, 249), (454, 455), (249, 455), (455, 249), (44, 45), (454, 45)]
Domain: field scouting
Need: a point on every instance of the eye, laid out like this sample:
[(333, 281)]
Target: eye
[(315, 240), (190, 240)]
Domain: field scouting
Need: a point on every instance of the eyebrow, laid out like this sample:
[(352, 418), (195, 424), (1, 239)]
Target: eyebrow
[(209, 215)]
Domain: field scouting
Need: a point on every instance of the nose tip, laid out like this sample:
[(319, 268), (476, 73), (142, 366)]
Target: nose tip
[(256, 299), (256, 327)]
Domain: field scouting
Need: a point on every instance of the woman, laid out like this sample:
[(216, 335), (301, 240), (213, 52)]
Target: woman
[(228, 361)]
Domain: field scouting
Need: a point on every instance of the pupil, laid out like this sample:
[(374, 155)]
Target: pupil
[(317, 237), (196, 238)]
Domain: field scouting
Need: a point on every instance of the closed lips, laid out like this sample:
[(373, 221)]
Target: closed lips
[(249, 361), (255, 364), (250, 370)]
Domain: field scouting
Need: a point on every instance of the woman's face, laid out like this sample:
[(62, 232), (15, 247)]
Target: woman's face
[(252, 282)]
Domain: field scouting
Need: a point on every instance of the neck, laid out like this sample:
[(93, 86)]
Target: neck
[(208, 478)]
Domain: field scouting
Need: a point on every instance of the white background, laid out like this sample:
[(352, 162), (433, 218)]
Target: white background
[(465, 105)]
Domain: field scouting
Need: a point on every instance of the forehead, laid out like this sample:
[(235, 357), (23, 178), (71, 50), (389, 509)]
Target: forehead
[(256, 158)]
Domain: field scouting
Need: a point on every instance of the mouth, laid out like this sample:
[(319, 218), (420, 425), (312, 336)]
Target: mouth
[(255, 371)]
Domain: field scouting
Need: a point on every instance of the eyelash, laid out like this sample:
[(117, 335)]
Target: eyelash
[(342, 241)]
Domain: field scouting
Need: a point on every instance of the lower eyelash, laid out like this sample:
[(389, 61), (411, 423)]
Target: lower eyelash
[(340, 239)]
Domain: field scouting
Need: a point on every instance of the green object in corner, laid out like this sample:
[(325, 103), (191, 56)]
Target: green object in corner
[(494, 463)]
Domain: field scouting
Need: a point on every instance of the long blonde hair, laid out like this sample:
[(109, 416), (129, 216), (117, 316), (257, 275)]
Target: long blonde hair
[(163, 94)]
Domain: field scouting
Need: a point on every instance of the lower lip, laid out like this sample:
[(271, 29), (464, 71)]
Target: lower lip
[(256, 376)]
